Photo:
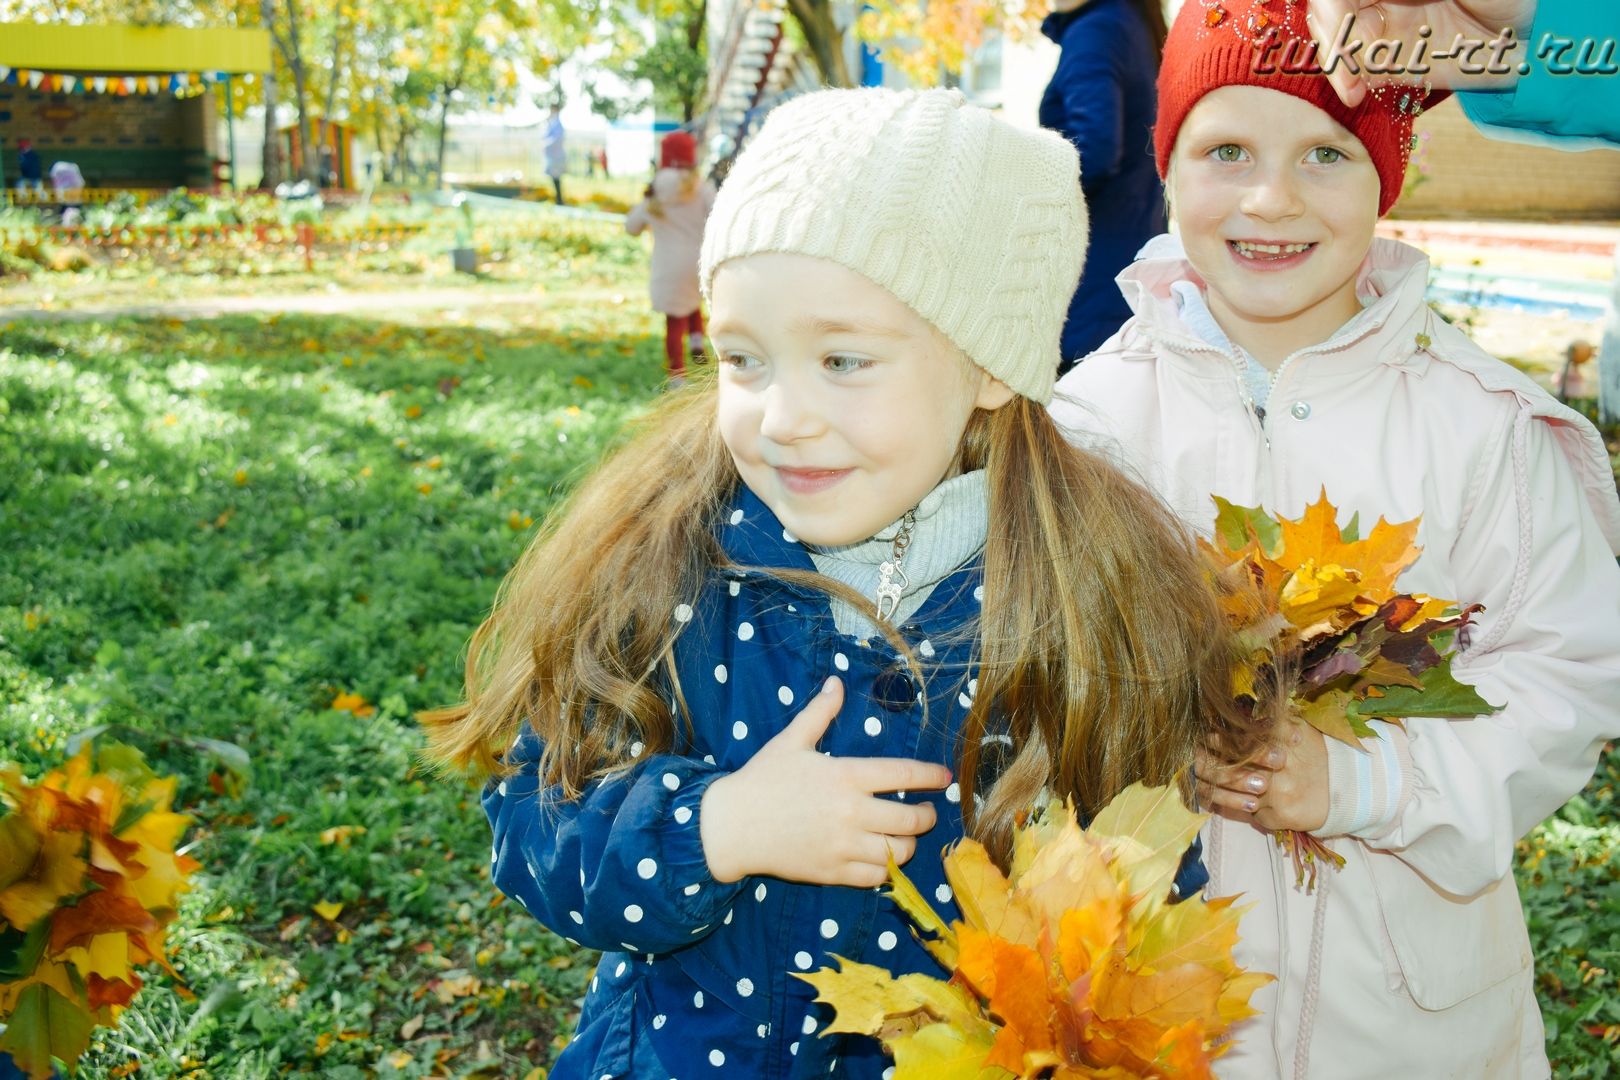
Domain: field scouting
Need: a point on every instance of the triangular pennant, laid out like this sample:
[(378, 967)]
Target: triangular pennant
[(4, 71), (129, 84), (100, 84), (56, 83), (153, 84), (35, 78), (69, 82)]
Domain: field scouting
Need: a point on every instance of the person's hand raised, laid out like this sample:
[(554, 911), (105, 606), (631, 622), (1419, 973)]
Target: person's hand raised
[(793, 812), (1402, 20)]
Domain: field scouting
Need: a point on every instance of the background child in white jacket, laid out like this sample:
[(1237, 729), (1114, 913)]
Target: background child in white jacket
[(1276, 349), (677, 204)]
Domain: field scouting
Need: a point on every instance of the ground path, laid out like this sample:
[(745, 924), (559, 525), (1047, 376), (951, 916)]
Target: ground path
[(309, 303)]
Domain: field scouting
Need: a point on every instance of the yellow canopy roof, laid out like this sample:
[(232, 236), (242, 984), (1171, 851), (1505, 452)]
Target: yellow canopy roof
[(133, 49)]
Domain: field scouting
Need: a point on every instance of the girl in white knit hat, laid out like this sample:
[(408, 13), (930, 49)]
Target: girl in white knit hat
[(774, 638)]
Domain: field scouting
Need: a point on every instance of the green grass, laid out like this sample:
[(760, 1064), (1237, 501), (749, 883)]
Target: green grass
[(212, 529)]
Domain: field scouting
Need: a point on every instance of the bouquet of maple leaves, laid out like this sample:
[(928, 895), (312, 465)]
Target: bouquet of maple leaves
[(1074, 965), (89, 877), (1324, 635)]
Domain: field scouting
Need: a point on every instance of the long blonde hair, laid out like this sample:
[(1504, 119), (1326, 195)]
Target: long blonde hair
[(1101, 650)]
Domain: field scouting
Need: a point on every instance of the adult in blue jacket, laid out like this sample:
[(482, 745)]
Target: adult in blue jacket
[(1102, 99)]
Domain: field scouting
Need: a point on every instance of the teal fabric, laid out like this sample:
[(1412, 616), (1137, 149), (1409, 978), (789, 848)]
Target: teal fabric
[(1569, 111)]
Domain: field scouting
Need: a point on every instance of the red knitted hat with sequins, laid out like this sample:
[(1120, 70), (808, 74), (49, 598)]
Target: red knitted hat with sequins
[(1216, 43)]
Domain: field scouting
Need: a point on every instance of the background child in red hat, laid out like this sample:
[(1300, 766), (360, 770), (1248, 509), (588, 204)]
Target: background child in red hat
[(1278, 349), (677, 204)]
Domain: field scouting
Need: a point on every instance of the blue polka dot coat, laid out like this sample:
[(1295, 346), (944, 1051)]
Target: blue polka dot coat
[(696, 976)]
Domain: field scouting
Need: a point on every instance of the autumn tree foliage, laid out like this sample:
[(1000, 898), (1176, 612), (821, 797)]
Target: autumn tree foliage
[(89, 879)]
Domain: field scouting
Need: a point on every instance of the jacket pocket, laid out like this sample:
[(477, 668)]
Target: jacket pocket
[(1448, 948)]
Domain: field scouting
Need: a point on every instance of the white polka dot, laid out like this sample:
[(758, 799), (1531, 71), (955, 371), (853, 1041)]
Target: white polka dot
[(683, 814), (720, 673), (809, 1025), (683, 613), (964, 701), (973, 687), (736, 517), (627, 947), (762, 1031), (618, 972), (595, 982), (745, 631), (789, 537), (745, 987), (646, 868), (874, 726), (953, 793), (633, 913), (502, 788), (494, 855), (943, 894), (692, 889), (887, 941), (793, 1048), (784, 695), (734, 588), (727, 919), (697, 1000), (759, 892), (802, 960), (925, 648), (978, 593), (739, 730), (793, 609), (577, 917), (716, 1058), (671, 781), (709, 758), (636, 748), (840, 661), (659, 1021), (888, 1074), (900, 795), (829, 929)]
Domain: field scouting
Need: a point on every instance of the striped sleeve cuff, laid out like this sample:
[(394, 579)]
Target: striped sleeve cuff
[(1367, 786)]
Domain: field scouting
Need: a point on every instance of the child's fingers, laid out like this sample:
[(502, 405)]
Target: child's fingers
[(806, 729), (895, 774), (896, 818)]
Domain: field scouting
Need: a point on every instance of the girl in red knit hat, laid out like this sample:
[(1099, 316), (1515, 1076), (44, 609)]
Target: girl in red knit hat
[(1278, 349), (676, 205)]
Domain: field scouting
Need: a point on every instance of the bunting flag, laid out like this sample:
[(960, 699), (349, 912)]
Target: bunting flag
[(180, 83)]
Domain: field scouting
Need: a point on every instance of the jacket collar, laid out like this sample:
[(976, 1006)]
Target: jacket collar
[(753, 538), (1391, 282)]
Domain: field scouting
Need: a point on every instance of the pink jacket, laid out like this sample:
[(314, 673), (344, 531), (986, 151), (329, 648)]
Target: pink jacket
[(1413, 960), (677, 238)]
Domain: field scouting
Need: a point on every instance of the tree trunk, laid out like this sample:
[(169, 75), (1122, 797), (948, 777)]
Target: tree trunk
[(444, 124), (826, 41), (293, 49), (271, 174)]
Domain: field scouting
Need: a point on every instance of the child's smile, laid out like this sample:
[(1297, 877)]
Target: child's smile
[(1276, 204), (841, 406)]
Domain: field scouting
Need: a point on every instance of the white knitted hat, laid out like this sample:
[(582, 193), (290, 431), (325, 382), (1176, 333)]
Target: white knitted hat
[(979, 226)]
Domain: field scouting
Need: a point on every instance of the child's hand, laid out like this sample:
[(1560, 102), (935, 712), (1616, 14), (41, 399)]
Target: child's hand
[(1286, 788), (795, 813)]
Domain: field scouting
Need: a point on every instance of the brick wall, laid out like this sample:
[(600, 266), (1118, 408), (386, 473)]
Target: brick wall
[(140, 140), (1472, 176)]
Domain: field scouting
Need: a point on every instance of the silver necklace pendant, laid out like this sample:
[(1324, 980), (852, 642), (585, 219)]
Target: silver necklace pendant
[(892, 579)]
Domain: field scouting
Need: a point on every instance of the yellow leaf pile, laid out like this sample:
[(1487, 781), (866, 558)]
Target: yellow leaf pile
[(1325, 637), (1075, 965), (89, 878)]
